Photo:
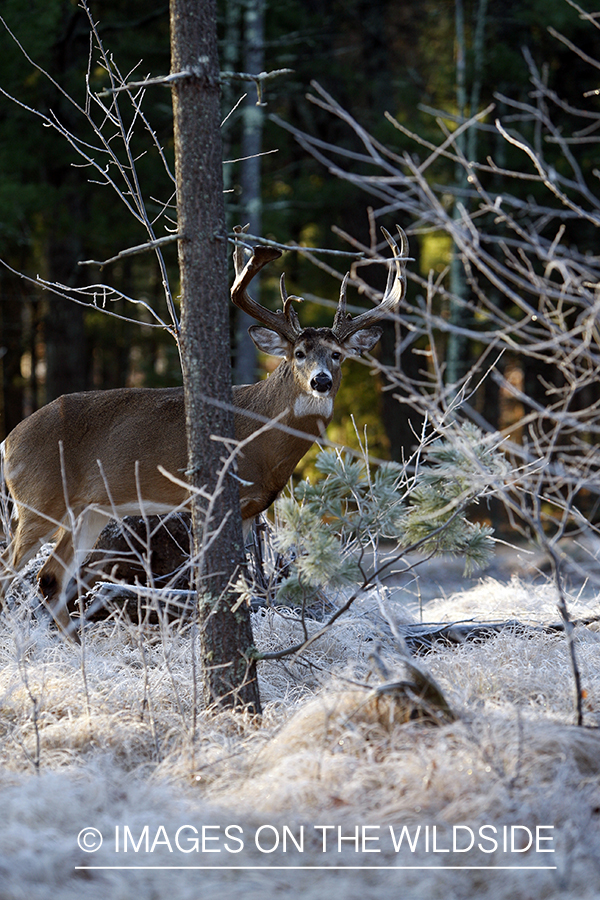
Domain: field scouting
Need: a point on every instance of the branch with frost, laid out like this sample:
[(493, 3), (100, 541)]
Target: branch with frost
[(133, 251), (225, 77)]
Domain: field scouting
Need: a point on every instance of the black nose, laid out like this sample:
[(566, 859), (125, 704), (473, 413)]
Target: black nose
[(321, 382)]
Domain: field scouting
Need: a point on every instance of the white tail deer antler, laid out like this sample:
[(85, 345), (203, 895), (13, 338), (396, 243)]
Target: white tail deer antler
[(284, 322), (343, 325)]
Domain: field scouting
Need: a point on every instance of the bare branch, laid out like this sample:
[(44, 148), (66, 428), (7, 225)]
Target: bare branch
[(132, 251)]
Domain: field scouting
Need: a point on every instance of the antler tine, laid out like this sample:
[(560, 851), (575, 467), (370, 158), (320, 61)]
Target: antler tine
[(288, 310), (244, 275), (341, 318), (344, 325), (238, 249)]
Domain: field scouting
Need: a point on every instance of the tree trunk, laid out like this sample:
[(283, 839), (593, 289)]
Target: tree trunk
[(228, 669), (466, 143), (64, 325), (253, 61), (11, 351), (455, 350)]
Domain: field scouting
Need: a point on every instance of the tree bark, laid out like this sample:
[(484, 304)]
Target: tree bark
[(455, 350), (254, 62), (228, 667)]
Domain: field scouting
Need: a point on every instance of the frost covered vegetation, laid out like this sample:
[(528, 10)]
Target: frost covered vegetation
[(110, 735), (103, 738)]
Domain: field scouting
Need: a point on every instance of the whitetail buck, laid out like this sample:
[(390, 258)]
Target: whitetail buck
[(83, 458)]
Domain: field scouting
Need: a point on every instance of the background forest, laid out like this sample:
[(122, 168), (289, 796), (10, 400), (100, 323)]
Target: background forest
[(415, 61)]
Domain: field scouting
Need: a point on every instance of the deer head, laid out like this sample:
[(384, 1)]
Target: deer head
[(313, 356)]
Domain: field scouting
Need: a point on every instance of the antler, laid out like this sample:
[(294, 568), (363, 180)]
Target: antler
[(284, 322), (344, 325)]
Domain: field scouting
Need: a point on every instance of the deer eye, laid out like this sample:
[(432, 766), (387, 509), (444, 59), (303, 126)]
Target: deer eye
[(300, 354), (336, 355)]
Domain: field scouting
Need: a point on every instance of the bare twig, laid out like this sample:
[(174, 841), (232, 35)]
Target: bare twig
[(132, 251)]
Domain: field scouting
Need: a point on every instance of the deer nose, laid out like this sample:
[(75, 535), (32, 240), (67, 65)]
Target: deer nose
[(321, 382)]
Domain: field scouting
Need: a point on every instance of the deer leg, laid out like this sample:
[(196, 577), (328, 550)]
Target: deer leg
[(55, 575), (30, 532), (89, 526)]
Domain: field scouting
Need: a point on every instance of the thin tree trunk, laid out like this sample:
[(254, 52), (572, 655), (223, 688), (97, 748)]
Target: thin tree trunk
[(467, 144), (11, 351), (228, 669), (478, 64), (254, 58), (66, 351), (458, 288)]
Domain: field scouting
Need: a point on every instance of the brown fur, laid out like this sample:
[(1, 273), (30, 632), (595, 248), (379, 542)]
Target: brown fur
[(107, 461)]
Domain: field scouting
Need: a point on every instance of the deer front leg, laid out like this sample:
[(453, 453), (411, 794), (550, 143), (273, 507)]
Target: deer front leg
[(30, 531), (71, 549), (52, 576)]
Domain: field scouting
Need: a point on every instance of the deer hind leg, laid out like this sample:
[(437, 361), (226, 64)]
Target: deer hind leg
[(72, 547)]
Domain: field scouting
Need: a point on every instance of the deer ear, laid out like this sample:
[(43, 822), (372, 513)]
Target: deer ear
[(269, 341), (363, 340)]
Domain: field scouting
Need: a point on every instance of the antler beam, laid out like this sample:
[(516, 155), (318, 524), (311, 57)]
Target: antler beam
[(344, 325), (284, 322)]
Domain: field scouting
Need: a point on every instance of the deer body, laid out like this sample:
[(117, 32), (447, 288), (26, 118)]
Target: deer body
[(60, 472), (87, 457)]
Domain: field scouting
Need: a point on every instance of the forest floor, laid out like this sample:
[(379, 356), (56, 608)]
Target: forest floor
[(440, 577), (111, 787)]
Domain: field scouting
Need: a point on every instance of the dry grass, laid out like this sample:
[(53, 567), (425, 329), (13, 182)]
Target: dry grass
[(105, 740)]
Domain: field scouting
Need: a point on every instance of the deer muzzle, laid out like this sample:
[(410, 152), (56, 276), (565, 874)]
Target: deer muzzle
[(321, 382)]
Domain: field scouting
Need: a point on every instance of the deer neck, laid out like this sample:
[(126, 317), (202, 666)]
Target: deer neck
[(268, 460), (279, 397)]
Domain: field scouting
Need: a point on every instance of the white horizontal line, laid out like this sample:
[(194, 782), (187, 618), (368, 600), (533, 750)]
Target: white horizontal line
[(311, 868)]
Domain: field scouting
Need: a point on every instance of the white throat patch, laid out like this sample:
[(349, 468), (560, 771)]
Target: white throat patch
[(313, 405)]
